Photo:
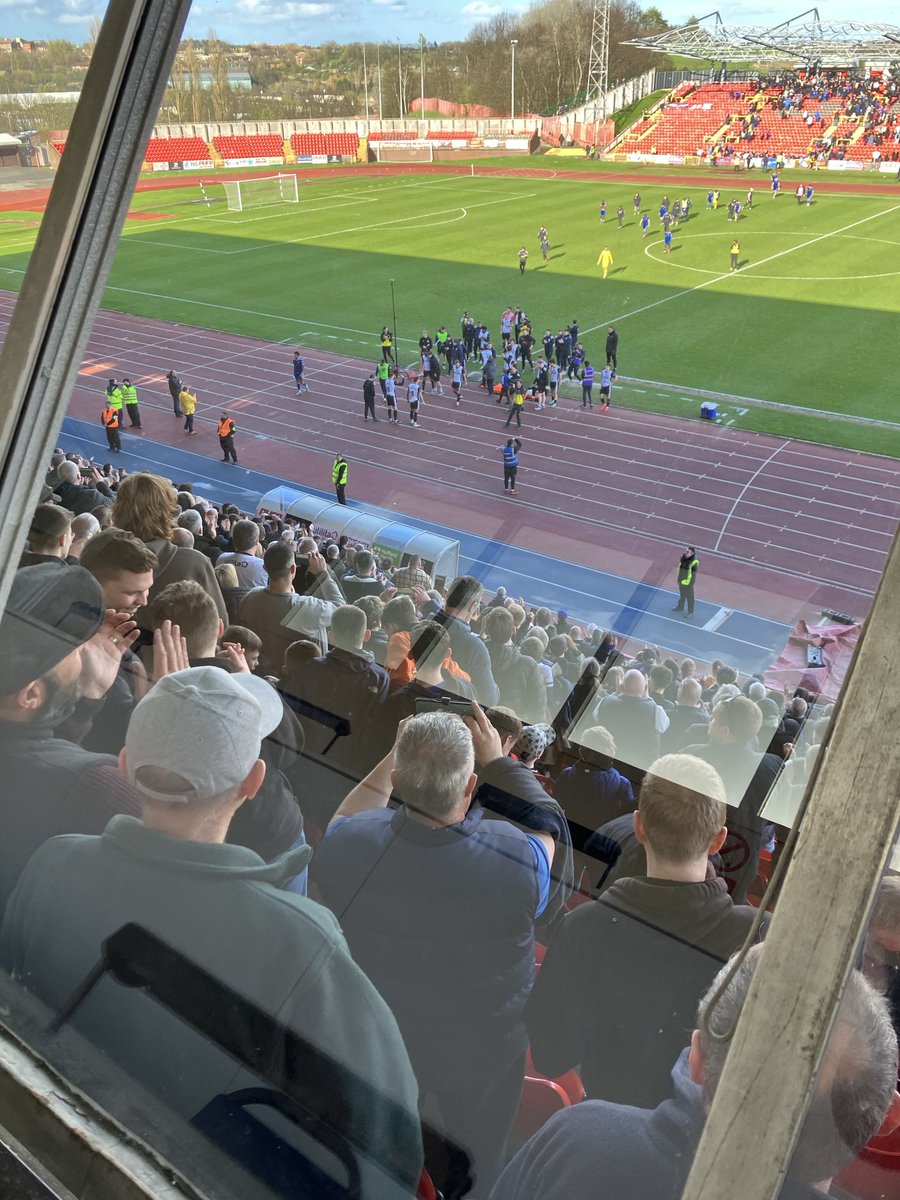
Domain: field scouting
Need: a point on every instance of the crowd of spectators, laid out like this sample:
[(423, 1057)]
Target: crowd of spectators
[(368, 799)]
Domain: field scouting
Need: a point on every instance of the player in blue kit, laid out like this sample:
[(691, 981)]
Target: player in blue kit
[(667, 239), (645, 225), (297, 367)]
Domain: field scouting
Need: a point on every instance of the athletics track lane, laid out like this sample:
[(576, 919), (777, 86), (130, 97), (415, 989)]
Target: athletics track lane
[(797, 527)]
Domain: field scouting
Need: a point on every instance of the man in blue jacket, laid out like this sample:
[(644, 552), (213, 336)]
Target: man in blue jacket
[(646, 1154)]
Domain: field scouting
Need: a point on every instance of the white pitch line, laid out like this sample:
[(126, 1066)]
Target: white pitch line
[(762, 466), (729, 274), (313, 237)]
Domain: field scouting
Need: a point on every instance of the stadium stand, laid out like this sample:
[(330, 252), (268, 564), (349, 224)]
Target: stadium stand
[(183, 149), (501, 647), (816, 118), (253, 145), (394, 135), (344, 144), (446, 135)]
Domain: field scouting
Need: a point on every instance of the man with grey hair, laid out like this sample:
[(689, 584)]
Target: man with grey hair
[(638, 958), (82, 494), (640, 1153), (396, 877), (191, 519), (84, 527), (246, 556), (225, 911)]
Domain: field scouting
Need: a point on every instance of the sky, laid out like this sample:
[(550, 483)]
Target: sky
[(313, 21)]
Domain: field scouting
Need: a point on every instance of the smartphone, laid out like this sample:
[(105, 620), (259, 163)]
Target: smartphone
[(445, 704)]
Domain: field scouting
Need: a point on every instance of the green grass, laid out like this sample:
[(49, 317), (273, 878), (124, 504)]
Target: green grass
[(809, 321), (631, 112)]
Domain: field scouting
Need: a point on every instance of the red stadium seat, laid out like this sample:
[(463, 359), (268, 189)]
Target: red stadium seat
[(541, 1099)]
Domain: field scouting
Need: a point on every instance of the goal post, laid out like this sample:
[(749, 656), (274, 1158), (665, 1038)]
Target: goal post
[(257, 193), (403, 152)]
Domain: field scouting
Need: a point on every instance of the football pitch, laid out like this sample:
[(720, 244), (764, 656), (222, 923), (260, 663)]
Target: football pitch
[(808, 322)]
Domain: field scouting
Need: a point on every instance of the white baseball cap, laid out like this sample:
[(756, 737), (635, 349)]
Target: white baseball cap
[(205, 725)]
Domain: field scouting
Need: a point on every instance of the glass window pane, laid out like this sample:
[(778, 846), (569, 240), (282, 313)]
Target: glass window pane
[(297, 924)]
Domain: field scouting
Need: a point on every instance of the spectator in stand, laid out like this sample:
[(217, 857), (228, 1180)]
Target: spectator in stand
[(592, 791), (192, 521), (364, 580), (412, 575), (347, 683), (635, 722), (172, 873), (271, 823), (80, 495), (637, 959), (264, 609), (688, 714), (518, 676), (246, 558), (394, 876), (210, 541), (398, 618), (640, 1154), (146, 506), (246, 641), (462, 605), (748, 776), (232, 593), (84, 527), (182, 537), (124, 567), (659, 679), (429, 648), (721, 675), (49, 537), (297, 655), (373, 607), (57, 646)]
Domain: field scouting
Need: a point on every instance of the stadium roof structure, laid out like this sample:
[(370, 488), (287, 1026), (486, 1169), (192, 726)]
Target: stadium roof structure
[(802, 39)]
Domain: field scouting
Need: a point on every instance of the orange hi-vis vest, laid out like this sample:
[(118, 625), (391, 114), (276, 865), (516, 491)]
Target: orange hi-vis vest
[(110, 417), (226, 427)]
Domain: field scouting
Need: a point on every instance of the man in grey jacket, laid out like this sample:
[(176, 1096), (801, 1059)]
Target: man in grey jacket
[(173, 875)]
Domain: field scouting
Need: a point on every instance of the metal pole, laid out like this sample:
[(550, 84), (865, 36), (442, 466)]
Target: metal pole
[(366, 85), (400, 76), (422, 74), (394, 315), (378, 53), (512, 82)]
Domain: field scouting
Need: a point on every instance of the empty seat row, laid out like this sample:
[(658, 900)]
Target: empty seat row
[(184, 149), (252, 145)]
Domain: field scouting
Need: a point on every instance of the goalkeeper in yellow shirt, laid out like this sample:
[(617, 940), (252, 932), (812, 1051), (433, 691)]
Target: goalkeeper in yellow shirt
[(605, 260)]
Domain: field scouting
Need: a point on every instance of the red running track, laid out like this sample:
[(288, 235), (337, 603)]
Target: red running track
[(785, 528)]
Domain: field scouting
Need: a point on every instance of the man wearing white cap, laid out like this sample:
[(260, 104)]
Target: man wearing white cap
[(193, 753)]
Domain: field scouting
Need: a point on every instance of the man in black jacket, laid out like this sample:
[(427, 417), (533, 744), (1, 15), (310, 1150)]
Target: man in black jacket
[(612, 348), (78, 495), (175, 386), (638, 959), (369, 398)]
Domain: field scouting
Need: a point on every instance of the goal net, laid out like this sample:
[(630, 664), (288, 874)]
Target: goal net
[(396, 152), (257, 193)]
